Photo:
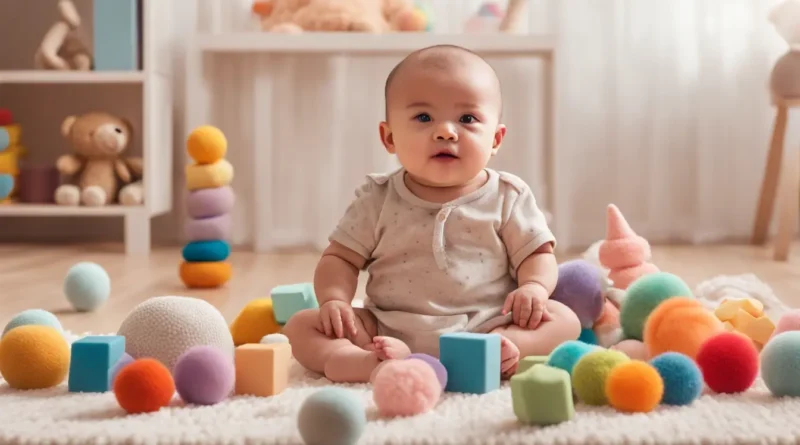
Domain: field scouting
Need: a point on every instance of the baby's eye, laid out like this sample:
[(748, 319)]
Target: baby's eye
[(468, 119), (424, 117)]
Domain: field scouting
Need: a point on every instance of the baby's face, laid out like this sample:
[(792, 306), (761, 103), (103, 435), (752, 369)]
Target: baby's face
[(443, 123)]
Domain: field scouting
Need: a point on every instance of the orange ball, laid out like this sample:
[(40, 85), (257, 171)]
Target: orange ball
[(205, 275), (634, 387), (679, 324), (144, 386), (206, 144)]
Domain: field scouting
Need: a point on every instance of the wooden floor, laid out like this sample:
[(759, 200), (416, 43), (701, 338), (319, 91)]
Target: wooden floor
[(32, 277)]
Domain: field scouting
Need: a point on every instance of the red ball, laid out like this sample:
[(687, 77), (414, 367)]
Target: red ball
[(729, 362), (6, 118)]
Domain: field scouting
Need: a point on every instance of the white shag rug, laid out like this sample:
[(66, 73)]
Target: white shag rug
[(55, 416)]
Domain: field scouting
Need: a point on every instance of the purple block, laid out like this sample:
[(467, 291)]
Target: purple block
[(438, 367), (205, 203), (209, 229)]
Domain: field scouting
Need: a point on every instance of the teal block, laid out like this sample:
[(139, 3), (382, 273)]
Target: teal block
[(116, 35), (542, 395), (92, 362), (5, 139), (290, 299), (206, 251), (529, 361), (472, 361)]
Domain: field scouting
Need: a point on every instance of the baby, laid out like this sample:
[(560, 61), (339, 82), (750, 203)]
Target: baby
[(449, 244)]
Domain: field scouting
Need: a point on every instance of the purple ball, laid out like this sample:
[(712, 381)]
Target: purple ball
[(438, 367), (123, 361), (580, 289), (204, 375)]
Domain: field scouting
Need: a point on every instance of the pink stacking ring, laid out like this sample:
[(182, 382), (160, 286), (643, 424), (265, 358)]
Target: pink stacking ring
[(205, 203), (208, 229)]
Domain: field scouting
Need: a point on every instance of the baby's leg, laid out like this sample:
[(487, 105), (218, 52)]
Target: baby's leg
[(522, 342)]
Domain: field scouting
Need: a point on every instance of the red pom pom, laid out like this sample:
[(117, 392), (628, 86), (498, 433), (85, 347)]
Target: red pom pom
[(729, 362), (6, 118)]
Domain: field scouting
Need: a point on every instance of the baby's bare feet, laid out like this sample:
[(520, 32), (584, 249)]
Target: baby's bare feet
[(388, 348), (509, 358)]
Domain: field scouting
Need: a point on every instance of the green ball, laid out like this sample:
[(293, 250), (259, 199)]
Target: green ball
[(39, 317), (590, 374), (642, 297)]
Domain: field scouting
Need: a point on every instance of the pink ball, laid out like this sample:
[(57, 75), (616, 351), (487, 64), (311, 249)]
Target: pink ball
[(789, 321), (634, 349), (204, 375), (405, 388)]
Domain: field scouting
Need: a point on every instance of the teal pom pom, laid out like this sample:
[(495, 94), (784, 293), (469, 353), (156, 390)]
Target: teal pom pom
[(567, 354), (38, 317), (642, 297), (588, 336), (5, 139), (6, 185), (87, 286), (206, 251), (683, 380), (780, 364), (332, 416)]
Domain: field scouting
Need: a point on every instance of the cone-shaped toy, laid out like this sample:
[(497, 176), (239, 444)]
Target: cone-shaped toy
[(623, 252)]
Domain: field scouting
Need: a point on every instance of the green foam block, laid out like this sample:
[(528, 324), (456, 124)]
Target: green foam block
[(528, 362), (542, 395)]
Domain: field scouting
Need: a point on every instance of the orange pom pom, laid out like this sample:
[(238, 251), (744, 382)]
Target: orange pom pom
[(144, 386), (635, 387), (204, 275), (679, 324)]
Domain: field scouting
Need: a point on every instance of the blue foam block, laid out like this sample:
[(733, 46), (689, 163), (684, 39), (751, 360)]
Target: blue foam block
[(92, 362), (472, 361), (5, 139), (290, 299), (116, 35), (6, 185), (206, 251)]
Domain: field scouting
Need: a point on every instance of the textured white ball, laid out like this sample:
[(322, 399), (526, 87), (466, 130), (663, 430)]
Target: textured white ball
[(165, 327)]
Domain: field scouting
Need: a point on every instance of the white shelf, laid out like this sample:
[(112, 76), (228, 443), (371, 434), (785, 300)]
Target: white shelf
[(366, 43), (42, 76), (57, 210)]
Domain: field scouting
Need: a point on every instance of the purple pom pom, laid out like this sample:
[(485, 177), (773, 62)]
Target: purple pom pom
[(580, 289), (204, 375), (123, 361), (438, 367)]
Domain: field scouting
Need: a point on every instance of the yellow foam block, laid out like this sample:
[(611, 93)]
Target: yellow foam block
[(728, 326), (14, 133), (750, 305), (256, 320), (759, 330), (204, 176), (742, 319), (262, 369)]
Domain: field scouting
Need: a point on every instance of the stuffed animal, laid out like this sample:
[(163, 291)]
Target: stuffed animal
[(97, 169), (372, 16), (62, 48), (785, 76)]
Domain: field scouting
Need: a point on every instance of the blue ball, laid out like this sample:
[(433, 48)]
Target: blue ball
[(331, 416), (87, 286), (39, 317), (683, 380), (780, 364), (567, 354), (6, 185), (206, 251)]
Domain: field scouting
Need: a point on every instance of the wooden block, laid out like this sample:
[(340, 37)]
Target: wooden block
[(262, 369), (759, 330), (92, 361), (542, 395), (472, 361)]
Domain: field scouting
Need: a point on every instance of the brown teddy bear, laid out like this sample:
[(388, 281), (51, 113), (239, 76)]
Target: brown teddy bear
[(96, 169), (373, 16), (63, 48)]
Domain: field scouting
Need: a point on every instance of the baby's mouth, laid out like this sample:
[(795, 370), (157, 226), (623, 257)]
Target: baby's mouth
[(445, 155)]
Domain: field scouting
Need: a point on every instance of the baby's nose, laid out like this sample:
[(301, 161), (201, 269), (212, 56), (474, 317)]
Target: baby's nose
[(446, 132)]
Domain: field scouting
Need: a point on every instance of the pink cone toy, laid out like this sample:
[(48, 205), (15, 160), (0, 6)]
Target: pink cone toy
[(623, 252)]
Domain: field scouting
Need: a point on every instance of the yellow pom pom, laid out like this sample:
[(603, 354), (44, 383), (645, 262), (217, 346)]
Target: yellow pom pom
[(207, 144), (635, 386), (254, 322), (34, 357)]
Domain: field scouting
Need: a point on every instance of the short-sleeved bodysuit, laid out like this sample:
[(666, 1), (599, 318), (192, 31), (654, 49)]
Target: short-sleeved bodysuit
[(438, 268)]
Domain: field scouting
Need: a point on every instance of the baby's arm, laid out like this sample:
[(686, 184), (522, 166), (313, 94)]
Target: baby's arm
[(335, 283)]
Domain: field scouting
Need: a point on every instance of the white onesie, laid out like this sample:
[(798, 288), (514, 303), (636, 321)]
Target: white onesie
[(437, 268)]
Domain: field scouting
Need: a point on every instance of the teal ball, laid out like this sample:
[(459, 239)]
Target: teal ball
[(331, 416), (87, 286), (683, 380), (567, 354), (780, 364), (206, 251), (644, 295), (39, 317), (6, 185)]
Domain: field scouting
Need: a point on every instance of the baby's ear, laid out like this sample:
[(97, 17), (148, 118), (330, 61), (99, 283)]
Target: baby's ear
[(386, 137), (499, 135)]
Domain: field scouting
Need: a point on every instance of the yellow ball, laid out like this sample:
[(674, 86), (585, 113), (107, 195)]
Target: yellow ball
[(591, 372), (34, 357), (207, 144), (256, 320)]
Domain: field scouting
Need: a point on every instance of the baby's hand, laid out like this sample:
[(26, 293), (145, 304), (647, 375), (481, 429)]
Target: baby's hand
[(337, 316), (527, 305)]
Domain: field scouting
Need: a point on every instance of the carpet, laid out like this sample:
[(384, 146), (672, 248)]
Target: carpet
[(54, 416)]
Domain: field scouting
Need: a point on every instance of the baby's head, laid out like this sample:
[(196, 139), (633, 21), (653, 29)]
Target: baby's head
[(443, 108)]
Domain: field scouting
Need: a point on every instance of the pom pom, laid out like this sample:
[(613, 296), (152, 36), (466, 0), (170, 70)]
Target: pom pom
[(87, 286), (683, 381), (680, 325), (644, 295), (204, 375), (780, 364), (579, 288), (34, 357), (790, 321), (144, 386), (567, 354), (405, 388), (634, 349), (206, 144), (588, 336), (39, 317), (332, 415), (635, 386), (729, 362), (591, 372), (433, 362), (6, 117)]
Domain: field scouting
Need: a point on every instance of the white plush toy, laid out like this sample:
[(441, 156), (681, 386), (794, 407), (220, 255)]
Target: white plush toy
[(785, 78)]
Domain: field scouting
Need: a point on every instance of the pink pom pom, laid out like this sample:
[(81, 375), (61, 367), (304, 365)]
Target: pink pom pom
[(790, 321), (405, 388)]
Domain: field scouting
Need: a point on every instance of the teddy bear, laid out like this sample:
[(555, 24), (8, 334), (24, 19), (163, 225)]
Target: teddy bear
[(62, 48), (96, 169), (372, 16)]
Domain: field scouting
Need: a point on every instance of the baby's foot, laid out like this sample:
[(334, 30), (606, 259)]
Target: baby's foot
[(388, 348), (509, 358)]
